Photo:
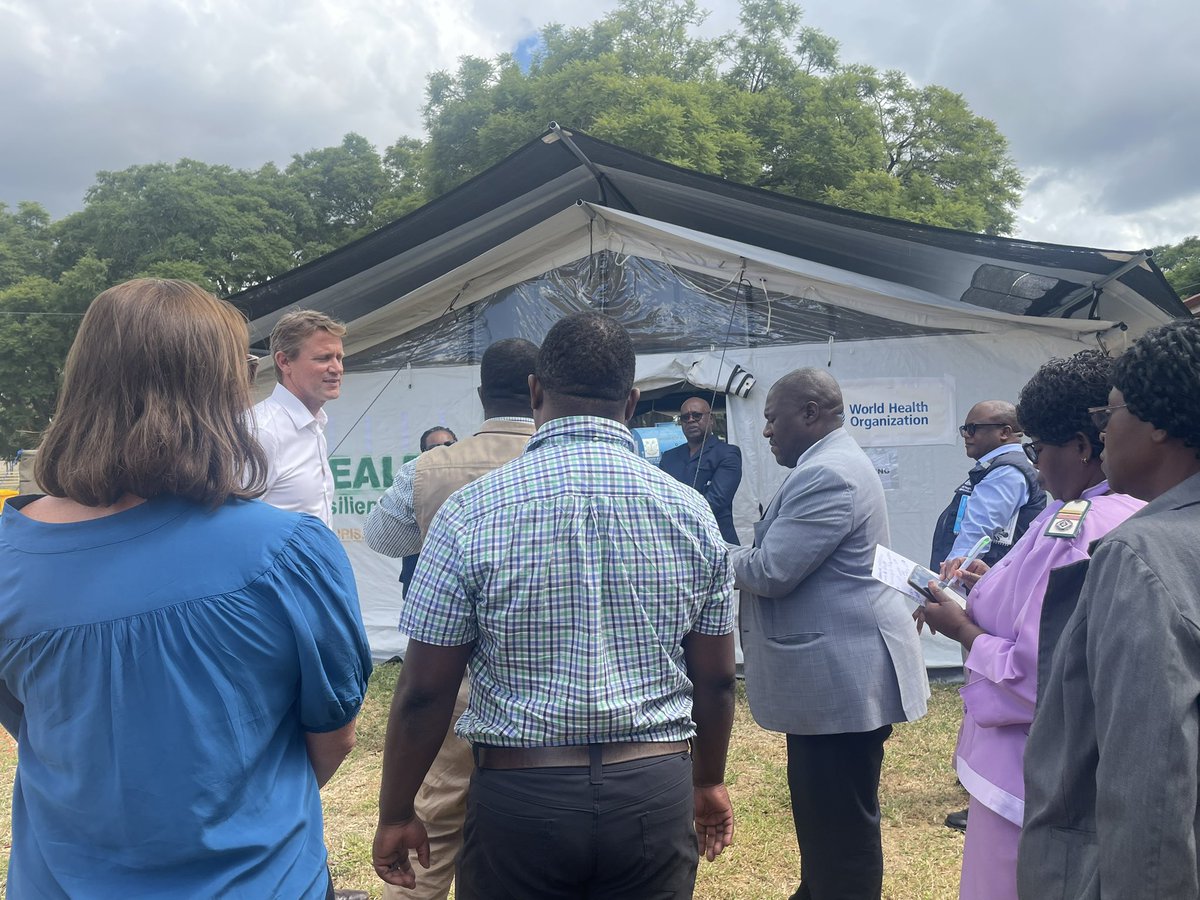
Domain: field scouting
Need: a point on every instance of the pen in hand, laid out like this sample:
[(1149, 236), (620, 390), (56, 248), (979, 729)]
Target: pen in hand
[(980, 548)]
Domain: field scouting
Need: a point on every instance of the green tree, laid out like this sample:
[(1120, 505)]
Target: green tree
[(342, 186), (231, 223), (1180, 263), (769, 105), (25, 243), (38, 321), (762, 56), (406, 168), (952, 167)]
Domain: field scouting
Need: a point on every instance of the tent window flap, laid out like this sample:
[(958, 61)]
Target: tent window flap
[(664, 308)]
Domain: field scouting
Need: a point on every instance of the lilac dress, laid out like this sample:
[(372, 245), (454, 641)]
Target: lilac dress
[(1001, 688)]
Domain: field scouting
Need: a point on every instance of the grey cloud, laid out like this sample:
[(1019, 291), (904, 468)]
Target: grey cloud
[(1096, 93), (1096, 97)]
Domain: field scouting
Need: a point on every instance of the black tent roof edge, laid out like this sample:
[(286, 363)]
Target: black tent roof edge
[(542, 160)]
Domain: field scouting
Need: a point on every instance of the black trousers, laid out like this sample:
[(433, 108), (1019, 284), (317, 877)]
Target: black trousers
[(834, 781), (623, 831)]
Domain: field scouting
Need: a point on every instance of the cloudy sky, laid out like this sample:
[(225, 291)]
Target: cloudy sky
[(1098, 98)]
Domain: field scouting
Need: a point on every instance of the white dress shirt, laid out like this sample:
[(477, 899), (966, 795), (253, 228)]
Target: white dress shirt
[(298, 473)]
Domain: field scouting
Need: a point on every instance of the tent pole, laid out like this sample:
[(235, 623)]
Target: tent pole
[(1092, 291), (601, 180)]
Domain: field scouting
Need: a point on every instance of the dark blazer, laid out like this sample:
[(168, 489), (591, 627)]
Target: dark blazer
[(715, 471), (828, 648), (1112, 767)]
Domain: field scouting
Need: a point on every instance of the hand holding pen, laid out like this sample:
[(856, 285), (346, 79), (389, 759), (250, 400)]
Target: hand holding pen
[(966, 570)]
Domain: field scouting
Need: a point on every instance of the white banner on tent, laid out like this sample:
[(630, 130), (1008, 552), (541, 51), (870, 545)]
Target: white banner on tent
[(887, 466), (900, 412)]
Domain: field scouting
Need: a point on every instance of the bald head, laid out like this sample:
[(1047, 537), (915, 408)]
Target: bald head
[(994, 411), (802, 407), (994, 424), (812, 384)]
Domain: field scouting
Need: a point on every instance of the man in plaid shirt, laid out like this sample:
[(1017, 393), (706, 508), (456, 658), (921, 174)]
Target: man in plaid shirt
[(591, 595)]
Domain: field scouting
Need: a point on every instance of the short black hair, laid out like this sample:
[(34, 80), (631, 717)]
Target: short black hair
[(1053, 405), (428, 431), (587, 355), (504, 371), (1159, 377)]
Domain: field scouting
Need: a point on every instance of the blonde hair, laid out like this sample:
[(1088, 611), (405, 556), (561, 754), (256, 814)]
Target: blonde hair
[(154, 401), (295, 327)]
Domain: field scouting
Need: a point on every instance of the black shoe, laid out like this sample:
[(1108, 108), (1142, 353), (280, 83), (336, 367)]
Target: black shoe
[(957, 820)]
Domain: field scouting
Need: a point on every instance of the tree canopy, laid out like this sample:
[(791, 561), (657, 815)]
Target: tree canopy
[(1180, 263), (769, 104)]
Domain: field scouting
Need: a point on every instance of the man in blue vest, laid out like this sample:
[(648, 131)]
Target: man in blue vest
[(1000, 497), (1001, 494)]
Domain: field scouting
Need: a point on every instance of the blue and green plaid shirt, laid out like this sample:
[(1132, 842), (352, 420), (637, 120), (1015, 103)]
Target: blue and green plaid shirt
[(576, 569)]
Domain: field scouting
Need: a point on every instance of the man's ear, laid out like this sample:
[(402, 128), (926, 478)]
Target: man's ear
[(536, 395), (282, 363), (631, 403)]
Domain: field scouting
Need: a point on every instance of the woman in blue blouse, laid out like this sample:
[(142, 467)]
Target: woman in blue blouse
[(180, 665)]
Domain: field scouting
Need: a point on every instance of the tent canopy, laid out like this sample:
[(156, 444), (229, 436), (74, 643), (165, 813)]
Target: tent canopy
[(542, 202)]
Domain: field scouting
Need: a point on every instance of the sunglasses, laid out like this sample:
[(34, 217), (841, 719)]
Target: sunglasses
[(691, 416), (1101, 414), (970, 428), (1034, 449), (252, 362)]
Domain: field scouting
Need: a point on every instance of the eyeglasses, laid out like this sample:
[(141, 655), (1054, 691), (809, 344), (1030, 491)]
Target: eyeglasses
[(691, 416), (252, 362), (1034, 449), (970, 428), (1101, 414)]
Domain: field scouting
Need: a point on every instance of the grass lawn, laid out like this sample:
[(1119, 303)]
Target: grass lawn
[(921, 855)]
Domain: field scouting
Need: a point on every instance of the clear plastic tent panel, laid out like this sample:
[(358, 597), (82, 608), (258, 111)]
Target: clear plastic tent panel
[(665, 309)]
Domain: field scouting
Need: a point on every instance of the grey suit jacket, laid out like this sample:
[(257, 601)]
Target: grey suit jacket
[(1112, 767), (828, 649)]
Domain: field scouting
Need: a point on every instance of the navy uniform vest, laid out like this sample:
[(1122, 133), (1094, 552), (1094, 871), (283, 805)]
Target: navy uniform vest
[(949, 522)]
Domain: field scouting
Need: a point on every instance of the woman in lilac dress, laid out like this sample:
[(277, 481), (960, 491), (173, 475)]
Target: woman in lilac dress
[(1000, 627)]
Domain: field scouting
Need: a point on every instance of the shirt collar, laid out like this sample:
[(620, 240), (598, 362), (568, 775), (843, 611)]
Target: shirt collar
[(573, 429), (1096, 490), (999, 451), (300, 414)]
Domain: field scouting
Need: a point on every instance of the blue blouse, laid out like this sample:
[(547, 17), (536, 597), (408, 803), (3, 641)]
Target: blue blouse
[(159, 668)]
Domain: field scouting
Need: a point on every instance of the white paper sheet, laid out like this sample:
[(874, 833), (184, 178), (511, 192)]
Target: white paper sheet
[(892, 569)]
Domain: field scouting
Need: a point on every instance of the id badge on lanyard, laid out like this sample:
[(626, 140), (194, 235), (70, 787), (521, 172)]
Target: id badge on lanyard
[(962, 511)]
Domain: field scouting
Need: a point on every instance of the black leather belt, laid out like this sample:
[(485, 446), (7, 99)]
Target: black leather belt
[(549, 757)]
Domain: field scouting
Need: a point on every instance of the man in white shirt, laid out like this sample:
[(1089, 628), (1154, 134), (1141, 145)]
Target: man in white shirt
[(290, 424)]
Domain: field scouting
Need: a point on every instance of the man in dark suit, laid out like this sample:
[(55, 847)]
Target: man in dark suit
[(832, 659), (706, 463)]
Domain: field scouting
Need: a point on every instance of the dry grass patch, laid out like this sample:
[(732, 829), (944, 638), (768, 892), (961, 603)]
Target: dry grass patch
[(922, 856)]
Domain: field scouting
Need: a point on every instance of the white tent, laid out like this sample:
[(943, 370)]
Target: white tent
[(916, 323)]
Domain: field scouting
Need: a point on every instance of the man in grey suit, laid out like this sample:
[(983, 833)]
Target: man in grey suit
[(832, 659)]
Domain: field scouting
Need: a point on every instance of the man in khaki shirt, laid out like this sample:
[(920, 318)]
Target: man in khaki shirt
[(397, 527)]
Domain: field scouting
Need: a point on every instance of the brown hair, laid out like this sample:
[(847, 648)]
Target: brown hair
[(294, 328), (154, 401)]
